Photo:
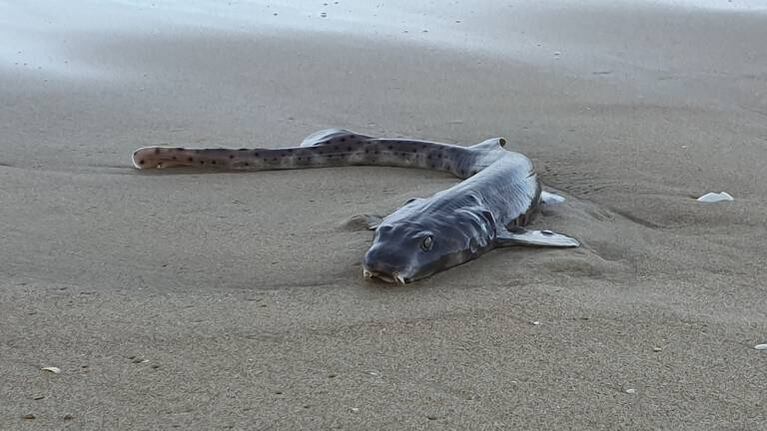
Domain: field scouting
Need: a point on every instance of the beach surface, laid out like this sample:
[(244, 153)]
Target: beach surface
[(210, 300)]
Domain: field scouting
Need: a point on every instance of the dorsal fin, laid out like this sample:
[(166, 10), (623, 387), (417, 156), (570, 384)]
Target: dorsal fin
[(490, 144), (324, 137)]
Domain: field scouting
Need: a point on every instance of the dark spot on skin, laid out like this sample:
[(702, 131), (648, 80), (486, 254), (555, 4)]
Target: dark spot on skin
[(202, 162), (179, 148), (433, 166), (376, 153), (231, 156), (348, 148), (191, 159), (290, 151), (140, 162), (390, 147), (247, 164), (157, 151), (243, 149), (213, 162), (274, 159), (473, 173), (173, 158), (367, 151), (428, 157), (439, 155), (463, 172), (415, 150), (342, 139), (255, 153)]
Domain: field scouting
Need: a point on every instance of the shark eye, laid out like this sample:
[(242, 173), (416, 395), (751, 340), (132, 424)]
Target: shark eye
[(427, 243)]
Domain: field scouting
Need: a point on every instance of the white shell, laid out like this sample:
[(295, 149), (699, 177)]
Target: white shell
[(716, 197)]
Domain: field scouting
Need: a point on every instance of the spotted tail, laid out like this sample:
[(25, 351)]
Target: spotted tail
[(376, 152)]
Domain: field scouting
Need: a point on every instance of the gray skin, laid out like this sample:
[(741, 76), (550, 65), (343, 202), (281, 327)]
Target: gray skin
[(500, 193)]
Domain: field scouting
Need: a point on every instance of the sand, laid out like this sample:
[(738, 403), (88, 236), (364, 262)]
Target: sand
[(194, 300)]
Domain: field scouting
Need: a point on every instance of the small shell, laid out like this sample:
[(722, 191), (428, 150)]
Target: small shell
[(716, 197), (761, 347), (54, 370)]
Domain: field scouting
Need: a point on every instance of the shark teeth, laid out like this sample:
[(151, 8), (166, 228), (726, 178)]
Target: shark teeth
[(394, 278)]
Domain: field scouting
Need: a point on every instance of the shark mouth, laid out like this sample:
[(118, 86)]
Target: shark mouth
[(395, 278)]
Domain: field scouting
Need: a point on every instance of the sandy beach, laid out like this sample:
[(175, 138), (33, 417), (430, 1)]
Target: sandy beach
[(185, 299)]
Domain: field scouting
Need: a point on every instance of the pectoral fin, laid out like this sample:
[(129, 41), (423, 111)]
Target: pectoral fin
[(364, 221), (534, 238), (548, 198)]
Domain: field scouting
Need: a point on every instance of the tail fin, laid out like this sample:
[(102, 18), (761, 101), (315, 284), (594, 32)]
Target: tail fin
[(162, 157)]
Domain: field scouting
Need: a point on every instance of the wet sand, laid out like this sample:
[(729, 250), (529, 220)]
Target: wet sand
[(235, 300)]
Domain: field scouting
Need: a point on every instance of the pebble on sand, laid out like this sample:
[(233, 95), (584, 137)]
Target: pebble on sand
[(631, 391), (761, 347), (54, 370)]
